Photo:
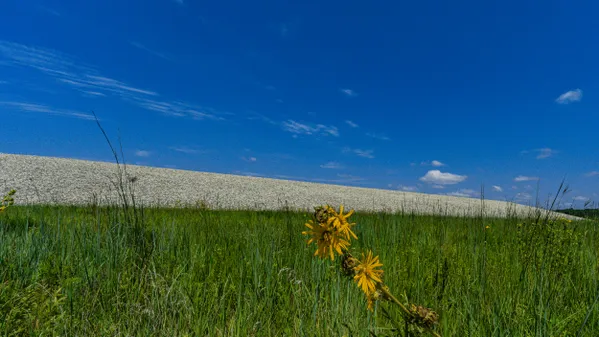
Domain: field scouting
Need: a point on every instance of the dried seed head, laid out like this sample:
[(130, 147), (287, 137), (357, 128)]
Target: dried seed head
[(424, 317), (348, 262)]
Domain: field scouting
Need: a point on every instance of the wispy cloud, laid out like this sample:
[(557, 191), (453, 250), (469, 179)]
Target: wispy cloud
[(186, 150), (408, 188), (179, 109), (592, 174), (142, 153), (442, 178), (570, 96), (348, 92), (261, 117), (352, 124), (148, 50), (523, 196), (31, 107), (581, 198), (249, 159), (525, 178), (465, 193), (359, 152), (306, 129), (497, 188), (332, 165), (89, 81), (545, 153), (434, 163), (377, 136), (93, 93), (541, 153)]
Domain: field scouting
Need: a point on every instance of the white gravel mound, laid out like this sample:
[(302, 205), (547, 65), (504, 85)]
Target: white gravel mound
[(49, 180)]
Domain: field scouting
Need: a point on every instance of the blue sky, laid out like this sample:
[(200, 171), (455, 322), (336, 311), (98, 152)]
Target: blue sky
[(428, 96)]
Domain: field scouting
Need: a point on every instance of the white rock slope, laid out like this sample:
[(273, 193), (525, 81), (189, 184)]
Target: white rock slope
[(49, 180)]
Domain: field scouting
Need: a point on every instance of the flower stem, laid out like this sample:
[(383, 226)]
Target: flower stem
[(387, 294)]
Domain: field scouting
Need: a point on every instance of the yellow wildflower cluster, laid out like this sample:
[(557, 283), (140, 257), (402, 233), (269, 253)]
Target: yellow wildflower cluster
[(332, 233), (7, 200)]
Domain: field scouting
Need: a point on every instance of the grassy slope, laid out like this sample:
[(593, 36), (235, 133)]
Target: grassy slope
[(76, 271)]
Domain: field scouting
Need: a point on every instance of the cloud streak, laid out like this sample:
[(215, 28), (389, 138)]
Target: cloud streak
[(352, 124), (31, 107), (332, 165), (306, 129), (348, 92), (525, 178), (570, 97), (359, 152), (377, 136), (89, 81), (148, 50)]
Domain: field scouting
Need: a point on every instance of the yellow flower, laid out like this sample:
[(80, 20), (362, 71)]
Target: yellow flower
[(339, 221), (326, 238), (367, 276), (487, 227)]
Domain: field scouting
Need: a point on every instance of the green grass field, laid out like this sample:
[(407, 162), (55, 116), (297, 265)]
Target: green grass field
[(87, 271)]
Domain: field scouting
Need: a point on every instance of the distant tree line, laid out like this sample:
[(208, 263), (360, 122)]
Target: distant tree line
[(589, 213)]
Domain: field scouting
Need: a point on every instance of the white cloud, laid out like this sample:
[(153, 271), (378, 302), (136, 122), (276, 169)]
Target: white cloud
[(377, 136), (581, 198), (31, 107), (437, 177), (348, 92), (179, 109), (541, 153), (408, 188), (93, 93), (465, 193), (570, 96), (545, 153), (250, 159), (352, 124), (142, 153), (434, 163), (592, 174), (440, 187), (89, 81), (305, 129), (364, 153), (497, 188), (332, 165), (523, 196), (525, 178), (186, 150)]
